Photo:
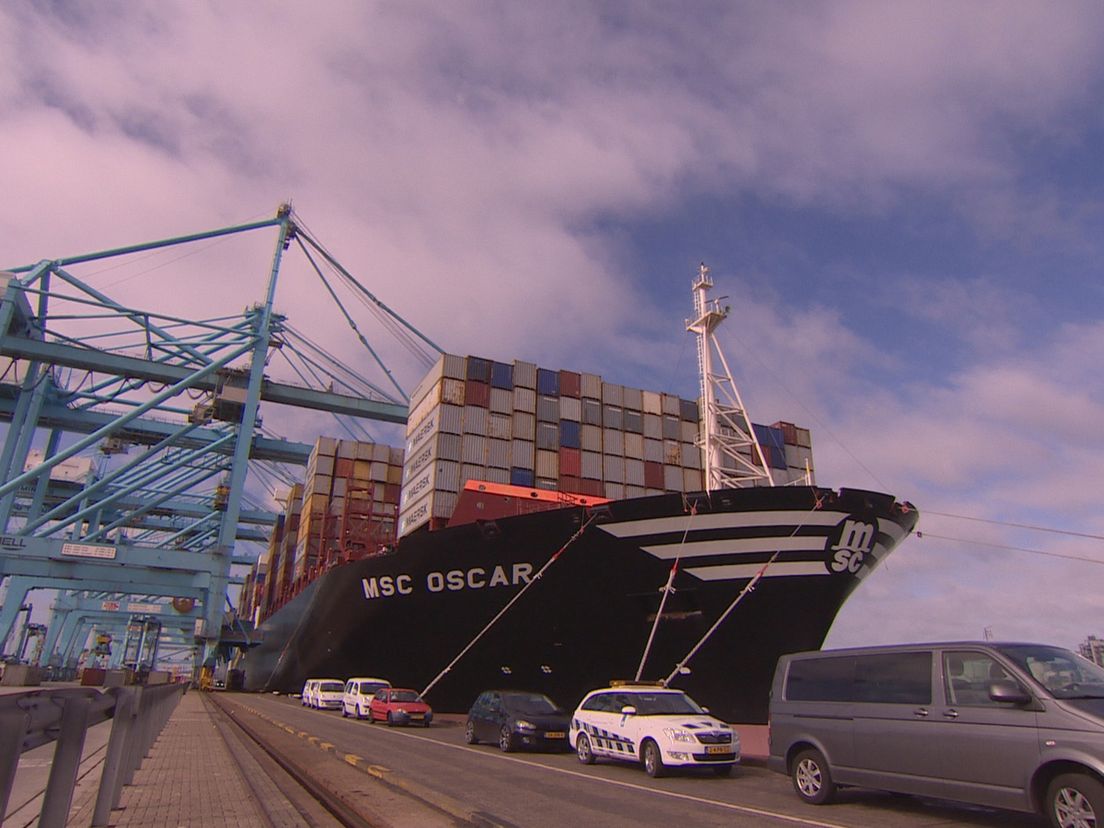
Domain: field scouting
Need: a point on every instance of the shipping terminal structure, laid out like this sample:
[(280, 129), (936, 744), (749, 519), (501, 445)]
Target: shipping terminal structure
[(549, 530)]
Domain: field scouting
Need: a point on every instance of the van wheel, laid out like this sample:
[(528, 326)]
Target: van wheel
[(1075, 800), (653, 760), (583, 751), (811, 777)]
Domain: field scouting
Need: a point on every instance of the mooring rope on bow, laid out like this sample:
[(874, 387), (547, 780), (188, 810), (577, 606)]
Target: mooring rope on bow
[(512, 601), (818, 504), (668, 588)]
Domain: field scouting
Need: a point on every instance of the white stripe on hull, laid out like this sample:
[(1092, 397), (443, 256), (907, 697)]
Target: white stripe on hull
[(736, 546), (743, 571), (722, 520)]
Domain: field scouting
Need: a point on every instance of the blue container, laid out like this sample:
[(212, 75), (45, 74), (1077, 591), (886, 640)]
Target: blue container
[(570, 434), (502, 376), (548, 382), (479, 369), (522, 477)]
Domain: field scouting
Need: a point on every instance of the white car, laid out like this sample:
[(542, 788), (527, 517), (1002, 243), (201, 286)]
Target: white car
[(652, 725), (323, 694), (358, 694)]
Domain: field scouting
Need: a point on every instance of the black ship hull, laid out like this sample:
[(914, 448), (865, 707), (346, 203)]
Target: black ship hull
[(588, 618)]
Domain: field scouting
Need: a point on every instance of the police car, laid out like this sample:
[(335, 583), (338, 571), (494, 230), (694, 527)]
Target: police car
[(655, 726)]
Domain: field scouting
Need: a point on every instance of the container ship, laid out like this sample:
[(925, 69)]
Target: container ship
[(551, 531)]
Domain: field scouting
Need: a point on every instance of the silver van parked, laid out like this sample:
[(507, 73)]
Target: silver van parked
[(1017, 726)]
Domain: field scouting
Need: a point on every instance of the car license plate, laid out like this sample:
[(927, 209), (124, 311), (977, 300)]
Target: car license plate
[(554, 734), (718, 749), (416, 715)]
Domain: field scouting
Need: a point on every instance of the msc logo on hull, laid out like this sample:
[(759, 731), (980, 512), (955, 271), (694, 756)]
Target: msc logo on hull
[(849, 545)]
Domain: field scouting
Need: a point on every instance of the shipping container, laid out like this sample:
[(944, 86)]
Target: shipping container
[(498, 454), (455, 367), (379, 472), (591, 386), (453, 391), (479, 369), (613, 442), (525, 399), (571, 409), (473, 449), (673, 480), (591, 464), (477, 393), (571, 384), (570, 434), (615, 491), (688, 411), (613, 394), (612, 417), (670, 405), (692, 480), (634, 446), (522, 454), (502, 376), (548, 464), (548, 382), (691, 456), (502, 401), (570, 462), (548, 409), (525, 375), (548, 436), (653, 451), (634, 473), (499, 426), (634, 421), (652, 402), (471, 471), (592, 412), (613, 468), (497, 476), (633, 399), (653, 475), (525, 426), (688, 432), (448, 446), (451, 419), (522, 477), (475, 420), (671, 429)]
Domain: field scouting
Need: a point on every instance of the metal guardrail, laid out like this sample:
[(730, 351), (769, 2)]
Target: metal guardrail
[(37, 717)]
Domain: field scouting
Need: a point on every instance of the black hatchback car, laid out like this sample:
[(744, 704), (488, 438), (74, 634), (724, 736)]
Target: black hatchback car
[(515, 719)]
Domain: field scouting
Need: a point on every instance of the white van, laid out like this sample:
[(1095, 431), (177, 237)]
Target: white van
[(1017, 726), (358, 694), (323, 694)]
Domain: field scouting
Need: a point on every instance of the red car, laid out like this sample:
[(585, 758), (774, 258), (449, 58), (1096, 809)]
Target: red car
[(399, 705)]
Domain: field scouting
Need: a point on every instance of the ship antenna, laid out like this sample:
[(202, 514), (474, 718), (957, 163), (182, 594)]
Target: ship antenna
[(732, 455)]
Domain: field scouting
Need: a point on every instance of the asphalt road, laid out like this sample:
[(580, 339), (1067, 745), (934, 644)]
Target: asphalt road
[(532, 789)]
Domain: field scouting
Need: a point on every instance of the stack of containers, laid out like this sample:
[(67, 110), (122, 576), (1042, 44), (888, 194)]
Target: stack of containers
[(350, 503), (283, 549), (797, 449), (476, 419)]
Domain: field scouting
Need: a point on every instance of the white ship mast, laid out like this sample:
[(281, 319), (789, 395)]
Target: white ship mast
[(731, 453)]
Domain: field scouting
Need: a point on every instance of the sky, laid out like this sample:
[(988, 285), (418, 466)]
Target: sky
[(902, 202)]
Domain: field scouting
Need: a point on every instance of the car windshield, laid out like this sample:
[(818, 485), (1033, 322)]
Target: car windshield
[(405, 696), (530, 704), (370, 689), (331, 687), (1063, 674), (663, 704)]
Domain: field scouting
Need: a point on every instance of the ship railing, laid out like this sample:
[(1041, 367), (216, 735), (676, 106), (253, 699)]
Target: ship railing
[(37, 717)]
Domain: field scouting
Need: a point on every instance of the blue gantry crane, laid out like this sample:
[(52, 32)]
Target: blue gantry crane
[(132, 434)]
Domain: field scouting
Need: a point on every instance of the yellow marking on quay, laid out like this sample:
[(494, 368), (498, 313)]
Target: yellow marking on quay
[(353, 759)]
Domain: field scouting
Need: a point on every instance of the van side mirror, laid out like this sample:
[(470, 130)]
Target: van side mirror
[(1009, 692), (628, 710)]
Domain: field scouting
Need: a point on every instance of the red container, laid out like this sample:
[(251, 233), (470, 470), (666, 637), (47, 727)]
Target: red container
[(653, 475), (571, 384), (477, 393), (570, 462), (344, 467), (571, 485)]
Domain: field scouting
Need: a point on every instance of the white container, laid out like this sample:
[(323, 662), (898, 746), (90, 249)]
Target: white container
[(525, 375), (613, 442), (525, 426), (634, 446), (502, 401), (522, 454), (499, 426), (548, 464), (613, 468), (473, 449), (633, 398), (525, 399), (591, 465), (475, 420), (498, 454), (570, 409), (652, 402)]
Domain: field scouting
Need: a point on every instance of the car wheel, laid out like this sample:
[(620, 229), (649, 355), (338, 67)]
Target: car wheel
[(812, 778), (722, 770), (344, 712), (505, 740), (653, 760), (469, 733), (583, 751), (1075, 800), (390, 719)]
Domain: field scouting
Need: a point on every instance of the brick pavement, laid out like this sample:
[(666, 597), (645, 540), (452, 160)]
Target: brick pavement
[(189, 778)]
